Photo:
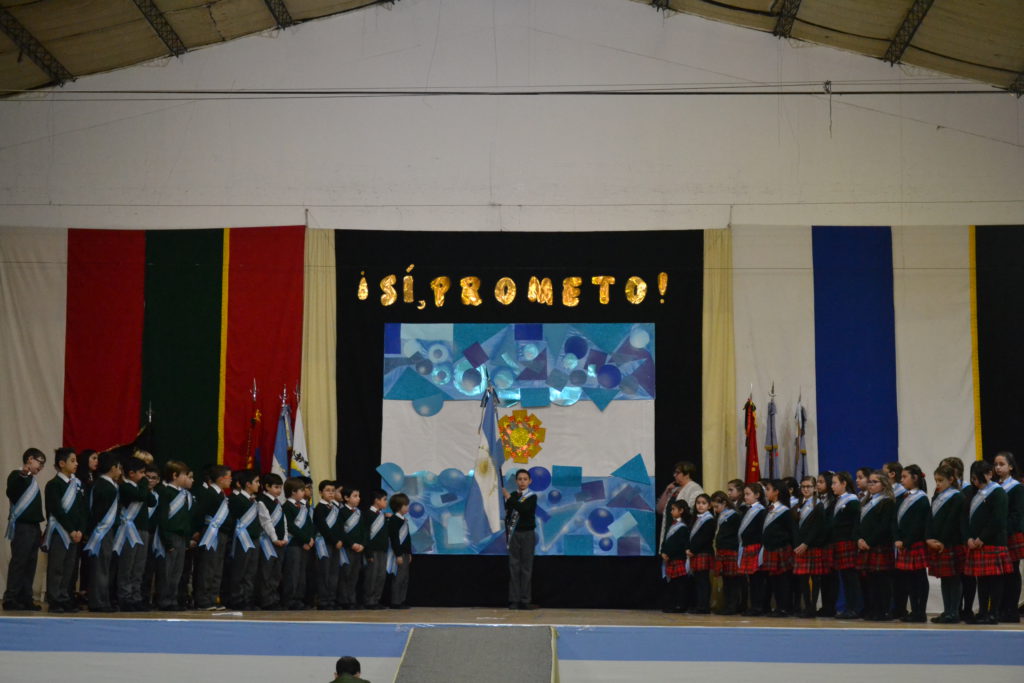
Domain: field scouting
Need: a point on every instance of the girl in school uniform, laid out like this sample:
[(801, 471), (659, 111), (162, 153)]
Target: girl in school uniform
[(968, 584), (863, 473), (987, 556), (875, 552), (673, 556), (910, 531), (843, 532), (749, 562), (945, 542), (701, 553), (1008, 476), (778, 536), (727, 524), (811, 558)]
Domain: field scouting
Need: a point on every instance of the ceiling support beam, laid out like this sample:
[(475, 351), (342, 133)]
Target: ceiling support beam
[(281, 14), (1017, 87), (160, 24), (787, 15), (33, 49), (911, 22)]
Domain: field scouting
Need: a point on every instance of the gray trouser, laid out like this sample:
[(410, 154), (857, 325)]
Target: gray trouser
[(60, 571), (242, 587), (268, 582), (520, 565), (375, 574), (210, 570), (99, 576), (349, 577), (293, 576), (400, 582), (326, 578), (22, 569), (131, 564), (168, 572)]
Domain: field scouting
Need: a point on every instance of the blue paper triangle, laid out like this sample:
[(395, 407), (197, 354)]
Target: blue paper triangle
[(495, 545), (629, 497), (554, 335), (605, 336), (558, 522), (634, 469), (467, 334), (601, 397), (411, 385)]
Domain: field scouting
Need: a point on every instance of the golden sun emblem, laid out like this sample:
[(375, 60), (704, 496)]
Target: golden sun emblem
[(522, 435)]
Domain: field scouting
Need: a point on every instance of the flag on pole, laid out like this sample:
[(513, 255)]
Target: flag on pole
[(485, 510), (753, 468), (282, 443), (253, 434), (800, 466), (771, 441), (300, 458)]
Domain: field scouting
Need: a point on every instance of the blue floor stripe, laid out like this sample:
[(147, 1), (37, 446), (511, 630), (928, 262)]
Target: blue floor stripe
[(590, 643), (855, 347)]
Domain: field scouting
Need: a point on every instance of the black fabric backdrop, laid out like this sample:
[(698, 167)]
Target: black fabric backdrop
[(469, 580), (1000, 306)]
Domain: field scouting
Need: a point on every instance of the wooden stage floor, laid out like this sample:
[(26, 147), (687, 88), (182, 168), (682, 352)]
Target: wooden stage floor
[(543, 616)]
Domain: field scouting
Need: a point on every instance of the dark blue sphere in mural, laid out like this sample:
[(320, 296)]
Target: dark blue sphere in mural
[(453, 480), (540, 479), (609, 376), (600, 519), (605, 544), (554, 496), (577, 346), (416, 510)]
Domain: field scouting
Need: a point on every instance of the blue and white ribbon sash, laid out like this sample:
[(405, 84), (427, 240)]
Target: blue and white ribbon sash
[(1010, 484), (128, 531), (909, 500), (66, 501), (212, 533), (321, 547), (158, 546), (300, 517), (841, 502), (103, 528), (942, 499), (699, 522), (898, 490), (242, 528), (980, 497), (26, 498), (352, 521), (774, 514), (378, 524), (748, 517), (514, 517), (177, 502), (806, 509), (332, 516), (872, 502), (267, 546), (392, 562)]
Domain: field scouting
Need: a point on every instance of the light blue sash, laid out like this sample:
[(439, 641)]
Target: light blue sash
[(29, 495), (701, 519), (941, 500), (128, 531), (103, 528), (748, 517), (875, 499), (907, 502), (378, 524), (177, 502), (66, 501), (352, 521), (676, 526), (266, 545), (300, 517), (209, 539), (321, 547), (514, 517), (774, 514), (806, 509), (242, 528), (158, 546), (841, 502), (1010, 484), (392, 562), (898, 490), (980, 497)]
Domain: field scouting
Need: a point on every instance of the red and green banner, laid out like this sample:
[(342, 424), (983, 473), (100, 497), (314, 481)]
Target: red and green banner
[(182, 322)]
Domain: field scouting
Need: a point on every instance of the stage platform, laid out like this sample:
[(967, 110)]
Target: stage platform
[(592, 645)]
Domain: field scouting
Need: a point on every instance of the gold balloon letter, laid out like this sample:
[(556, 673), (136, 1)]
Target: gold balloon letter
[(636, 290), (602, 281), (540, 291), (440, 285), (571, 291), (407, 296), (470, 291), (387, 285), (505, 291), (362, 291)]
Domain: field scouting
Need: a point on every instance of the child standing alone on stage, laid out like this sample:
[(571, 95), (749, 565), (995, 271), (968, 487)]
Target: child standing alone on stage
[(520, 522)]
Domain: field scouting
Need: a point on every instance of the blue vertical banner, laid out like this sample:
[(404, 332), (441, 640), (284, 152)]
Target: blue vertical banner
[(855, 347)]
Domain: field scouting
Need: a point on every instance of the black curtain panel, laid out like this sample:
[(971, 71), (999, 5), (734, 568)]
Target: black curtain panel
[(464, 580)]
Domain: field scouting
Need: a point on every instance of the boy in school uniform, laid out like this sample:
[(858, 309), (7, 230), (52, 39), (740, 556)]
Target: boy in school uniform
[(174, 532), (520, 522), (400, 551), (328, 545), (26, 514), (272, 542), (67, 515), (299, 531), (149, 573), (243, 509), (353, 536), (131, 542), (311, 555), (376, 550), (211, 517), (103, 524)]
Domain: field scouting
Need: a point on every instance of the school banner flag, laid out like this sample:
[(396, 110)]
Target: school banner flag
[(300, 457), (753, 468), (771, 439), (487, 475), (281, 462)]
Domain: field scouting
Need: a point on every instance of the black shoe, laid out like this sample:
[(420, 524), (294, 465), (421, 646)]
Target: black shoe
[(915, 618), (969, 618), (806, 614), (56, 608), (988, 619), (944, 619), (780, 614), (847, 614)]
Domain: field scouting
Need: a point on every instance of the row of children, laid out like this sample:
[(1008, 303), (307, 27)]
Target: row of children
[(239, 539), (875, 549)]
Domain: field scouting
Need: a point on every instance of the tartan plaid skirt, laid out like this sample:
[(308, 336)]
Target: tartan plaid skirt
[(725, 563), (701, 562), (777, 562), (675, 569), (912, 558), (1016, 546), (877, 559), (816, 561), (988, 560), (945, 564), (844, 555), (748, 563)]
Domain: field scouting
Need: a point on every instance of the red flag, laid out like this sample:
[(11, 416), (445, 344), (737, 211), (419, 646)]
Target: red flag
[(753, 468)]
